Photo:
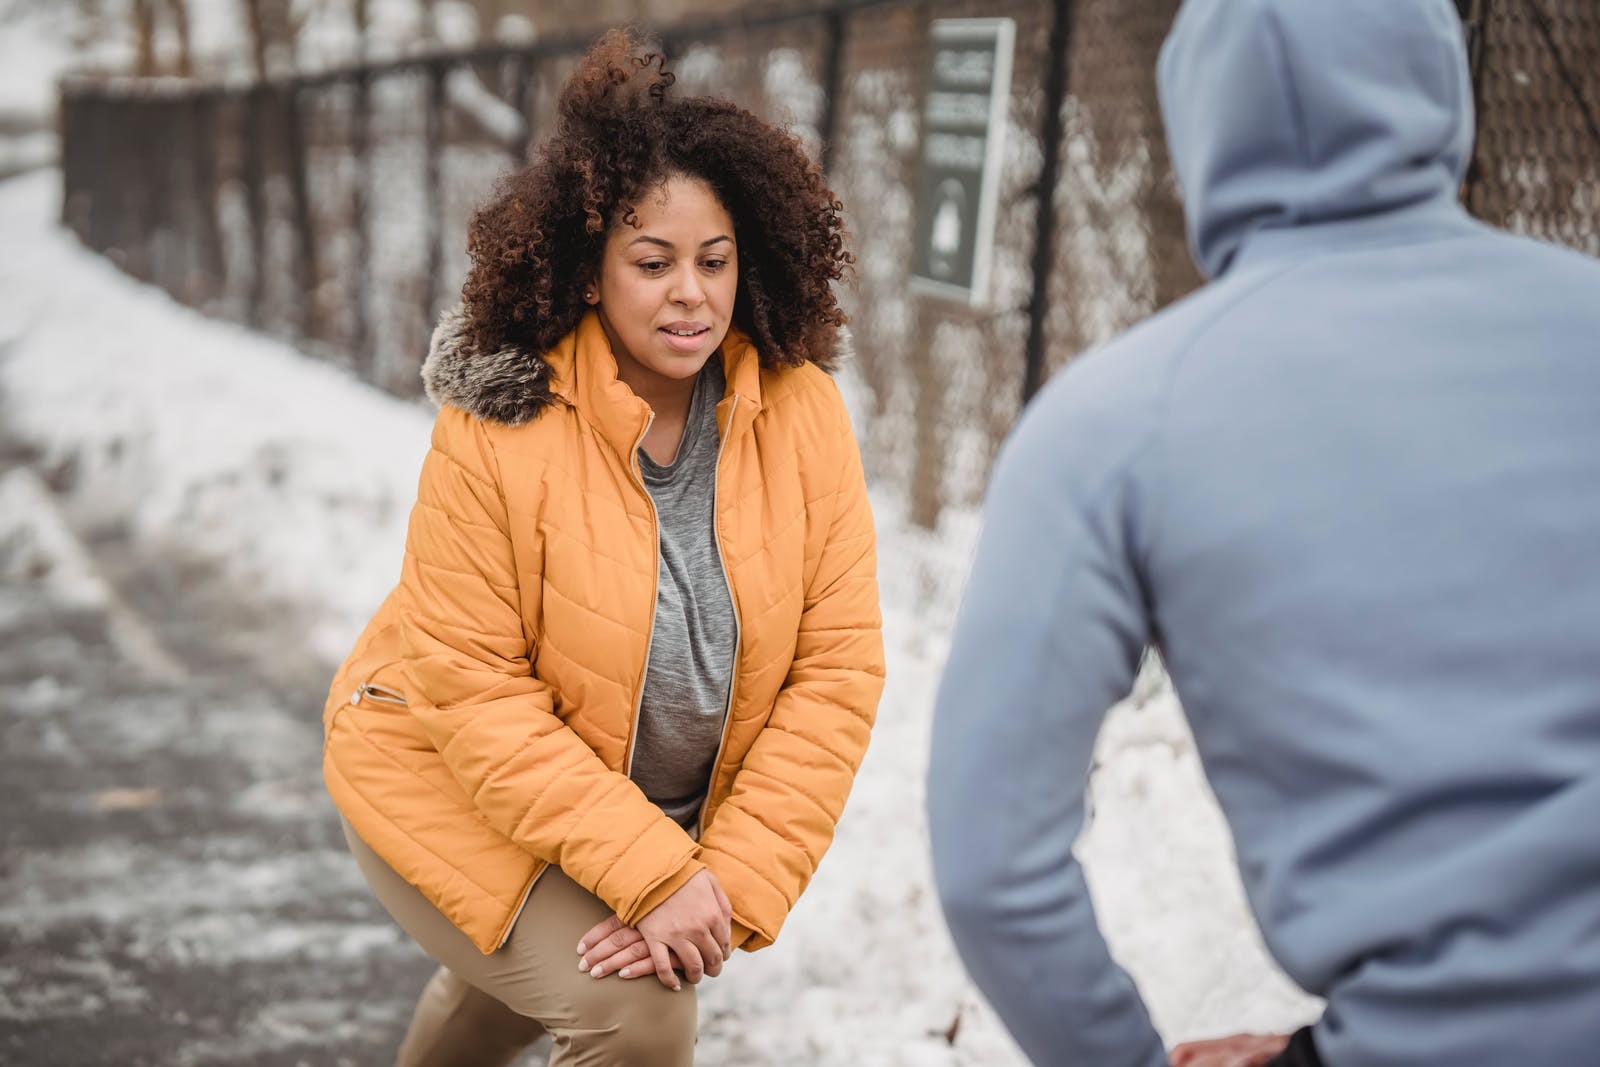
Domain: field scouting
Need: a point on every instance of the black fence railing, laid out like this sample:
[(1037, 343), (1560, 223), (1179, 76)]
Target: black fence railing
[(331, 208)]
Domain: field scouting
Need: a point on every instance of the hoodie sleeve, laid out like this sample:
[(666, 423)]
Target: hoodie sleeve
[(467, 661), (1048, 638)]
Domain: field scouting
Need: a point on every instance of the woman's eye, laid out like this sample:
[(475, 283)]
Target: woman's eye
[(714, 264), (653, 265)]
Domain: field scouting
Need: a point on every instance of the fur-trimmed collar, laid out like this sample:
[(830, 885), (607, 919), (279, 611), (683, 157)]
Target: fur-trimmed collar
[(514, 386), (510, 386)]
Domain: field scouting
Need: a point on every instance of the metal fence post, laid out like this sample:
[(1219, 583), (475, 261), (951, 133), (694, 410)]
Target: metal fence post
[(360, 284), (522, 100), (1476, 15), (305, 234), (433, 146), (210, 261), (255, 201), (833, 86), (1055, 91)]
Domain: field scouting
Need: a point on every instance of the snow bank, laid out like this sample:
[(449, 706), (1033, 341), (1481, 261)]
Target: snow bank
[(294, 475)]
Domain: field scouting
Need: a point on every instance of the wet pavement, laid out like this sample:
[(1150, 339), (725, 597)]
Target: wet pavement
[(173, 884)]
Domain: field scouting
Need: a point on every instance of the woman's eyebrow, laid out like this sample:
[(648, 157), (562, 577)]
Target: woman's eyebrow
[(663, 243)]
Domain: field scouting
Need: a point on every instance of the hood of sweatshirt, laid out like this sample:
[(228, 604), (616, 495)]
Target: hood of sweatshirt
[(1285, 113)]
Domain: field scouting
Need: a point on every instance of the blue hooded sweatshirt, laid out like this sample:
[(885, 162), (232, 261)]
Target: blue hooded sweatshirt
[(1351, 490)]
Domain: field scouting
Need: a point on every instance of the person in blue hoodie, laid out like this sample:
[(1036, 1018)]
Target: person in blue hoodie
[(1351, 491)]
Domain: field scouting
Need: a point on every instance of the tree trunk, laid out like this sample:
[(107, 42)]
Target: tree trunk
[(255, 25), (144, 29), (179, 10), (361, 17)]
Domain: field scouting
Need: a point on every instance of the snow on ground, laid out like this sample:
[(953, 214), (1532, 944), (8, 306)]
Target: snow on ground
[(35, 47), (298, 479)]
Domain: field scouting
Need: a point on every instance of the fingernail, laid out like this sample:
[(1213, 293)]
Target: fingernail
[(626, 972), (597, 972), (582, 948), (583, 964), (677, 989)]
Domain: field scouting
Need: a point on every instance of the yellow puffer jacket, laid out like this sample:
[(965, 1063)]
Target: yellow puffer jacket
[(483, 724)]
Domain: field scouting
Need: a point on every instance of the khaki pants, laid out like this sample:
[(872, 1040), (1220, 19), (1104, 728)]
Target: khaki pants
[(483, 1011)]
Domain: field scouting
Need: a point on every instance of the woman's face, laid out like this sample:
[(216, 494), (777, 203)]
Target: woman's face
[(667, 284)]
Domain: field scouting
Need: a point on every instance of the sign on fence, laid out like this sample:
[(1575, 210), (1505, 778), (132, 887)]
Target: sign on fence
[(963, 139)]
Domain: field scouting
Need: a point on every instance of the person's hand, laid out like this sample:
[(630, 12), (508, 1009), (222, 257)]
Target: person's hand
[(1236, 1050), (614, 947), (695, 923)]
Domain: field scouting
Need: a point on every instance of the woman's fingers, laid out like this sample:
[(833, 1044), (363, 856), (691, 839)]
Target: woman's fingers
[(608, 946), (646, 968), (1235, 1050), (711, 952), (599, 933), (694, 967), (635, 954), (1207, 1056), (661, 959)]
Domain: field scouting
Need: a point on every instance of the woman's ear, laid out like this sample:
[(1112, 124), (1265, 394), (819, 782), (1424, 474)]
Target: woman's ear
[(591, 294)]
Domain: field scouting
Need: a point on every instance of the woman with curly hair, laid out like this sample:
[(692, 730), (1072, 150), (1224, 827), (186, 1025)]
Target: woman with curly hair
[(604, 726)]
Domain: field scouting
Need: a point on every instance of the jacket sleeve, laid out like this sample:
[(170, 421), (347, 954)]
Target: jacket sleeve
[(1048, 637), (769, 835), (470, 683)]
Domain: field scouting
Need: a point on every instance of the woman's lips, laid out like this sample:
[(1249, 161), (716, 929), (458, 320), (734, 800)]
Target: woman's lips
[(685, 342)]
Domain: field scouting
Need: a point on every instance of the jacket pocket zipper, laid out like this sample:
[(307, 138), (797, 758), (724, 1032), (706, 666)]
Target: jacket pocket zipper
[(378, 694)]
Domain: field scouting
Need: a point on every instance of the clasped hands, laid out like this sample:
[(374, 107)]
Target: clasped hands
[(1236, 1050), (689, 932)]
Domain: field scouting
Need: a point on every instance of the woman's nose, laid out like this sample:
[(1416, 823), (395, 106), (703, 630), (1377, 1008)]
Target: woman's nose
[(686, 290)]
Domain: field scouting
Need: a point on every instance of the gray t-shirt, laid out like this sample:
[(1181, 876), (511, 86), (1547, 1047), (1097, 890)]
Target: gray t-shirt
[(691, 650)]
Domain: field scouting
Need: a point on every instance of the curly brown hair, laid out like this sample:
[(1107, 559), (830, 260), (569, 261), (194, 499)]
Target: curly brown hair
[(621, 132)]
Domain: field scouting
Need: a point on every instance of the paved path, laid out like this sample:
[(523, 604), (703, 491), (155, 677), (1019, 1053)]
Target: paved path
[(173, 886)]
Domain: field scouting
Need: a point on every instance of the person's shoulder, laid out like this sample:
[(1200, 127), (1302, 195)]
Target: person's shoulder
[(464, 439), (803, 403), (804, 386), (1096, 416), (1547, 260), (1148, 350), (1118, 384)]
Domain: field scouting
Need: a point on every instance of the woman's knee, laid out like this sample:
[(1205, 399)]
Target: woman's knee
[(630, 1022)]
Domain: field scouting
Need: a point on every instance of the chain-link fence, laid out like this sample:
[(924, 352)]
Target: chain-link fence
[(1537, 81), (332, 209)]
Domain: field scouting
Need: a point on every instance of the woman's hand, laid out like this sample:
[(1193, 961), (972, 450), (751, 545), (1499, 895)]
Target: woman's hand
[(614, 947), (695, 924), (1236, 1050)]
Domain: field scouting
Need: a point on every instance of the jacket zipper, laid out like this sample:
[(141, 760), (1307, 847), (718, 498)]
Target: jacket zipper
[(516, 913), (655, 592), (378, 694), (655, 596), (738, 630)]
